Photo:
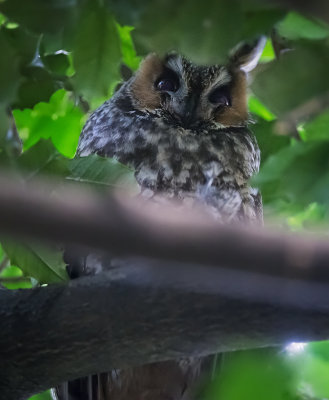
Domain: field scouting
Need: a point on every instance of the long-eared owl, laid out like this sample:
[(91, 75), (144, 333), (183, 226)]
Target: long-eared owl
[(183, 128)]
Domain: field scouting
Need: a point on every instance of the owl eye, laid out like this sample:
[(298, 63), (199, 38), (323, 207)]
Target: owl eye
[(167, 83), (220, 97)]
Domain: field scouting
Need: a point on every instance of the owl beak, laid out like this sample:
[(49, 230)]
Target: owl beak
[(188, 117)]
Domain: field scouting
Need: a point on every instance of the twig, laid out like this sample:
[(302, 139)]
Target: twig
[(15, 279), (279, 44), (308, 110), (4, 263)]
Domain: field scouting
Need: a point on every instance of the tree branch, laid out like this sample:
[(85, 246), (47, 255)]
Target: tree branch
[(132, 228), (146, 312)]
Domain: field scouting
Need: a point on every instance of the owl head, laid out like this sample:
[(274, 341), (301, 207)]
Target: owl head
[(190, 94)]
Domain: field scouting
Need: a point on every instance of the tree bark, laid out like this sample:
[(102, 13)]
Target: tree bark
[(145, 312)]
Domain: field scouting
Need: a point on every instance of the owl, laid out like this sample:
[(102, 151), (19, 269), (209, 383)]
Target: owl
[(183, 128)]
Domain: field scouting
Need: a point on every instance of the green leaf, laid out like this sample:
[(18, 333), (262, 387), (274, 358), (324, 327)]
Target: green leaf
[(296, 26), (24, 43), (9, 71), (38, 85), (4, 127), (98, 170), (58, 120), (268, 52), (313, 368), (311, 218), (253, 375), (317, 129), (202, 31), (257, 107), (24, 82), (43, 263), (39, 15), (14, 272), (128, 51), (298, 76), (42, 159), (298, 174), (58, 63), (97, 55), (269, 143), (42, 396), (260, 20), (319, 350), (164, 25), (2, 19)]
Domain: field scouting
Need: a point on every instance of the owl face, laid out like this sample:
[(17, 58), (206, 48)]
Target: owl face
[(191, 95)]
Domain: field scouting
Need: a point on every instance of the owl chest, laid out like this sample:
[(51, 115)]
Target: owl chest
[(168, 158), (174, 160)]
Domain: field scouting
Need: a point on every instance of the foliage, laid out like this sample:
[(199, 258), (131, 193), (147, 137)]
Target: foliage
[(298, 372), (58, 120), (41, 396), (61, 59)]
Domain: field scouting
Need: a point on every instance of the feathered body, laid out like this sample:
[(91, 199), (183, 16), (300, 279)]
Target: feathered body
[(208, 156), (183, 128)]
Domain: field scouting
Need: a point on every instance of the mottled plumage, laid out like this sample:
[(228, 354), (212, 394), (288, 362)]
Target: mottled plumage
[(208, 155), (183, 128)]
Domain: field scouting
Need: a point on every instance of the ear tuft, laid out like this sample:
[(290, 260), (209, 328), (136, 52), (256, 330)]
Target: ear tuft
[(245, 56)]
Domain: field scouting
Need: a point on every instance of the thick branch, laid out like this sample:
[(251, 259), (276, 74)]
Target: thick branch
[(130, 229), (143, 313)]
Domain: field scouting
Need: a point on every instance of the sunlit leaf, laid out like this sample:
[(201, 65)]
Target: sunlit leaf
[(253, 375), (42, 396), (312, 217), (317, 129), (14, 272), (268, 52), (313, 368), (258, 108), (128, 51), (2, 19), (40, 262), (58, 120)]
